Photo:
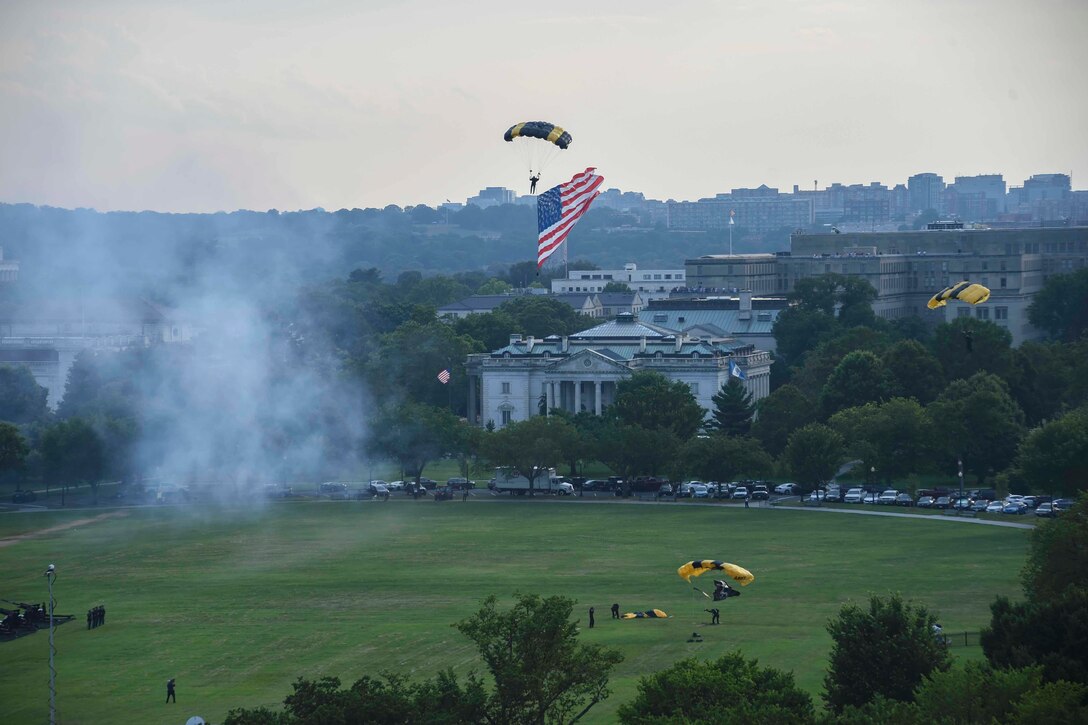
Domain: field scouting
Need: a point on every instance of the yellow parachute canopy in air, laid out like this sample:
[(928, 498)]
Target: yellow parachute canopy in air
[(964, 291), (696, 568), (648, 614)]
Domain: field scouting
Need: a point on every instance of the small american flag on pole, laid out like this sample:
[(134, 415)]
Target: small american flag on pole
[(559, 208), (444, 376)]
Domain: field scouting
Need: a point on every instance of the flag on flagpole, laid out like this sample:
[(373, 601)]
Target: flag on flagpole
[(736, 372), (732, 213), (559, 208), (444, 376)]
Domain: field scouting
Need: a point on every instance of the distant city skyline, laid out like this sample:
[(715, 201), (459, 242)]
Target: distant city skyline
[(200, 107)]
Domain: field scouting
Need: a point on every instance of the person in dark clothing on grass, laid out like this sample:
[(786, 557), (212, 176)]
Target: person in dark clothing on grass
[(591, 617), (170, 691), (714, 615), (615, 611)]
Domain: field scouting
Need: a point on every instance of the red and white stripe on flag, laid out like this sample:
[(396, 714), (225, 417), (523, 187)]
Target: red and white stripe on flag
[(444, 377), (559, 208)]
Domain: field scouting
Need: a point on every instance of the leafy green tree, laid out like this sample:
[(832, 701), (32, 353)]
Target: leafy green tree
[(916, 372), (413, 435), (724, 458), (1058, 555), (541, 673), (540, 316), (650, 400), (978, 419), (495, 287), (886, 649), (816, 294), (896, 437), (733, 409), (1054, 457), (798, 330), (13, 448), (881, 710), (855, 296), (529, 446), (978, 693), (780, 414), (818, 365), (1049, 378), (386, 699), (621, 287), (22, 400), (578, 441), (1061, 306), (859, 379), (491, 329), (72, 453), (731, 689), (813, 454), (990, 348), (631, 450), (410, 359), (1052, 633)]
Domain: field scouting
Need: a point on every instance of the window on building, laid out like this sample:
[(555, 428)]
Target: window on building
[(1001, 313), (506, 388), (982, 313), (963, 312), (1003, 282), (657, 276), (505, 417), (668, 276)]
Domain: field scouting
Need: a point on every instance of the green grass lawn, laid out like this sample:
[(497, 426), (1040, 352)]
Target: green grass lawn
[(236, 605)]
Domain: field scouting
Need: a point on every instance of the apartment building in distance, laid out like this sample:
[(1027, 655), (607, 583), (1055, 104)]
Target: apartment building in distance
[(650, 284)]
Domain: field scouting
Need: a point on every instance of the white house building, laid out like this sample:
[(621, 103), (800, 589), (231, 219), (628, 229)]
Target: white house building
[(580, 372)]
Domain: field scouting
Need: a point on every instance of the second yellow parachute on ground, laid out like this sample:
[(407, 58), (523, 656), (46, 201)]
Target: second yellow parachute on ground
[(699, 566), (648, 614)]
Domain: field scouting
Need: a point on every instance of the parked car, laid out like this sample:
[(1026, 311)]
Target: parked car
[(428, 483), (760, 493), (1046, 510), (925, 502), (994, 507), (904, 499), (378, 488), (740, 492), (818, 494), (979, 504), (1030, 501), (333, 489), (1014, 507), (665, 490), (396, 485), (443, 493), (24, 497), (786, 489), (869, 497), (961, 504), (854, 495), (942, 502), (1062, 505), (595, 484), (833, 493), (699, 490), (888, 497)]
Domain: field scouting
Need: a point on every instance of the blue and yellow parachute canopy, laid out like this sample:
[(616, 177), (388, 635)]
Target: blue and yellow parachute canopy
[(648, 614), (698, 567), (539, 129), (964, 291)]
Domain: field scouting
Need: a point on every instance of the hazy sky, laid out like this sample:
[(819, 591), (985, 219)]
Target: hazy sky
[(209, 105)]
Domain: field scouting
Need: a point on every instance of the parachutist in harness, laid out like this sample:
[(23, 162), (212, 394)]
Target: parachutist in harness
[(532, 181), (723, 591), (715, 614)]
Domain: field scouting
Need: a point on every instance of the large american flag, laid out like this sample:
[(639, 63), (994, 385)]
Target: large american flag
[(558, 210)]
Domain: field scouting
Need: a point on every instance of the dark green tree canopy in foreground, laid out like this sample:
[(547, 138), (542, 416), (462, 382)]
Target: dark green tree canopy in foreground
[(650, 400), (884, 649)]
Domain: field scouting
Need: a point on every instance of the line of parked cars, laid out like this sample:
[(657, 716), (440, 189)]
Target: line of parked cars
[(978, 501)]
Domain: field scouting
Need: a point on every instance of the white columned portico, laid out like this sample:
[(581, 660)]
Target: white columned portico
[(597, 397), (549, 386), (577, 397)]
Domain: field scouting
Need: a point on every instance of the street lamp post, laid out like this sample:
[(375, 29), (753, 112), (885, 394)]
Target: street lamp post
[(959, 464), (50, 577)]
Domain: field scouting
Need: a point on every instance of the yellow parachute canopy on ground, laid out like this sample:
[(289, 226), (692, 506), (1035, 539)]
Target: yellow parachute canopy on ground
[(964, 291), (648, 614), (696, 568)]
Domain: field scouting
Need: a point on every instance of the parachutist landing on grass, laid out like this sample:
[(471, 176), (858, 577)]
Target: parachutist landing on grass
[(714, 615)]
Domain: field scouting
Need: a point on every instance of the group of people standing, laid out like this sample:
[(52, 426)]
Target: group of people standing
[(96, 616), (615, 614)]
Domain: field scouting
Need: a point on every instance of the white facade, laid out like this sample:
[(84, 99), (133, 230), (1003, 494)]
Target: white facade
[(651, 284), (579, 373)]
